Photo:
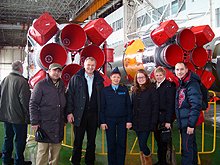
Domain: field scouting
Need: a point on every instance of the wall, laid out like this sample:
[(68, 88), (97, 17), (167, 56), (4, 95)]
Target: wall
[(7, 56)]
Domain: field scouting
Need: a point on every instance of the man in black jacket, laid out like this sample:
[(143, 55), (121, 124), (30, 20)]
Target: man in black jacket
[(188, 106), (15, 95), (83, 105)]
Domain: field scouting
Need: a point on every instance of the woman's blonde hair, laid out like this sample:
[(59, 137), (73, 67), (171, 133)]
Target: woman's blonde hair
[(160, 69)]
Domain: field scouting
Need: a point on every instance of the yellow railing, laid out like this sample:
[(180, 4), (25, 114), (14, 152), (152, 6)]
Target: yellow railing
[(69, 136)]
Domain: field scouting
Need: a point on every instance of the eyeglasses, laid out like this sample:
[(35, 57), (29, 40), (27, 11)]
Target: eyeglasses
[(141, 78)]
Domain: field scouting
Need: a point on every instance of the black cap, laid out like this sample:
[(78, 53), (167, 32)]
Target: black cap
[(116, 71)]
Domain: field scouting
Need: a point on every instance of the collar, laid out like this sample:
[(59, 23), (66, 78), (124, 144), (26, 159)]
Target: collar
[(115, 87), (158, 84), (88, 77), (16, 72)]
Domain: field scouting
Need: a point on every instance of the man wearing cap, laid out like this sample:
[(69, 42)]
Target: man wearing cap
[(83, 105), (15, 95), (47, 115), (115, 117)]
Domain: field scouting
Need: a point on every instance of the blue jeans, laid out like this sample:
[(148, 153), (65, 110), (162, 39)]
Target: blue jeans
[(189, 148), (116, 140), (18, 134), (142, 140)]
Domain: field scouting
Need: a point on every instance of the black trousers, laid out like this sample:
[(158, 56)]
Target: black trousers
[(89, 125), (162, 148)]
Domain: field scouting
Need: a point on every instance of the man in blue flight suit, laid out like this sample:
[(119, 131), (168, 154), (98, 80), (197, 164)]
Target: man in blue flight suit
[(115, 118)]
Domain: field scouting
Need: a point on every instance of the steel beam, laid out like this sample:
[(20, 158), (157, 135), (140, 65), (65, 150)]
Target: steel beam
[(91, 9)]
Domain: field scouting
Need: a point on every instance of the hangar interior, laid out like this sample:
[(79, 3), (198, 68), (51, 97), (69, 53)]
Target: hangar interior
[(138, 17)]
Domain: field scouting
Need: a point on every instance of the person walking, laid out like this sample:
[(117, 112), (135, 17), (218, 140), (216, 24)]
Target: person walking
[(47, 114), (145, 112), (167, 93), (14, 113), (83, 106), (188, 106), (115, 118)]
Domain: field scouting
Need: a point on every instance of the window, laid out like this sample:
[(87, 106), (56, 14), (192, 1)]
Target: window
[(143, 20), (156, 14), (117, 25), (217, 14), (183, 3), (140, 21), (175, 5)]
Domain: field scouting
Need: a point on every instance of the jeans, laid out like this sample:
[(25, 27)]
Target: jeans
[(189, 148), (142, 140), (18, 134)]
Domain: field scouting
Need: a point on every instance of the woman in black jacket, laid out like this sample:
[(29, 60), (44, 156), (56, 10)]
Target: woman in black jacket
[(145, 112), (166, 91)]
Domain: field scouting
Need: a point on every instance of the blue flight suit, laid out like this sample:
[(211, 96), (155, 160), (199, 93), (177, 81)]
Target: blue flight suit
[(115, 112)]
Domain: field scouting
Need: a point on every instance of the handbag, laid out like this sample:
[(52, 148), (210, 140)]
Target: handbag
[(40, 135), (165, 134)]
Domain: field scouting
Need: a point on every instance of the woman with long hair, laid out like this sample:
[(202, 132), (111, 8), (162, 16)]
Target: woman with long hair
[(145, 112)]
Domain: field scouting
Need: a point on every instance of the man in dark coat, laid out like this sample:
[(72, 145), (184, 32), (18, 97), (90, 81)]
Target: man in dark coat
[(47, 106), (83, 105), (188, 106), (15, 95)]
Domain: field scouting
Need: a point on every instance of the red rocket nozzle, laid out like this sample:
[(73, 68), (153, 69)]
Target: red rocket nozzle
[(171, 55), (52, 53), (199, 57), (95, 52), (73, 37), (186, 39), (69, 71)]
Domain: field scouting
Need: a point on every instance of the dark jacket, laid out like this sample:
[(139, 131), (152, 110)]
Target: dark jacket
[(77, 94), (15, 95), (145, 109), (115, 103), (188, 101), (47, 105), (167, 93)]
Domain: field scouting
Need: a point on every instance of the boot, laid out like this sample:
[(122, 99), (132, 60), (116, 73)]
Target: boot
[(148, 159), (142, 158)]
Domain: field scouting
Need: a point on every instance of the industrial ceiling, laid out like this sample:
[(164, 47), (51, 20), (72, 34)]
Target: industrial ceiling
[(16, 16)]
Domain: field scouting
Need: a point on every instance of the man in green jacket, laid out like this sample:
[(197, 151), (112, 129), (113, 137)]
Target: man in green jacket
[(15, 95)]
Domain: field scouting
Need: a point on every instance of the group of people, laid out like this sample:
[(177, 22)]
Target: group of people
[(88, 105)]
